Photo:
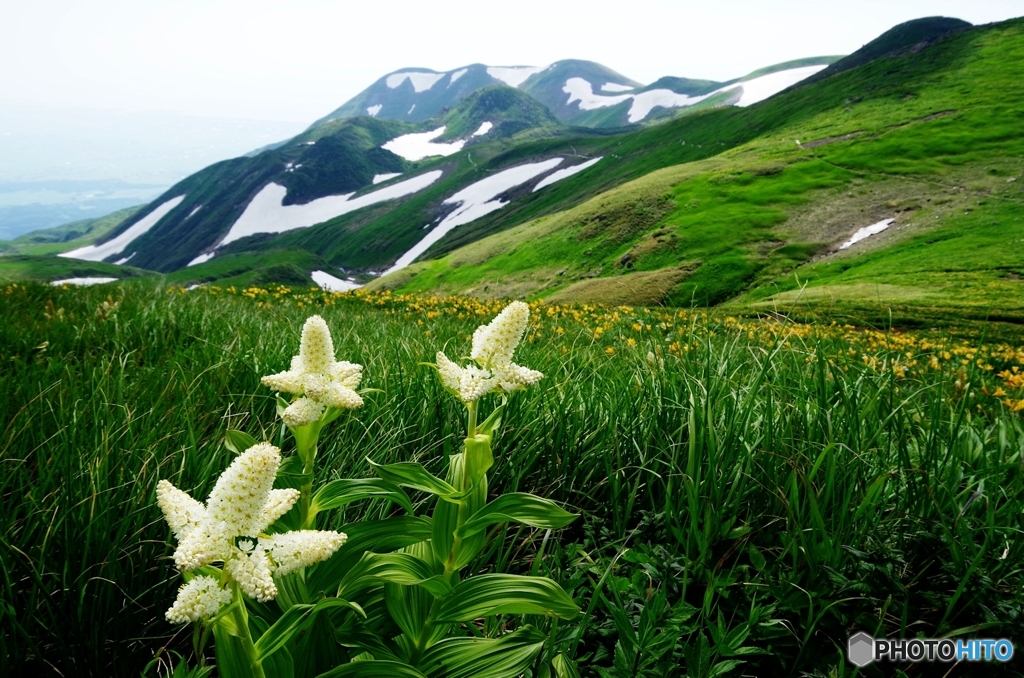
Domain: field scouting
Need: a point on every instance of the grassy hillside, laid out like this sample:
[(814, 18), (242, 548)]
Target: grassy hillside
[(42, 268), (931, 139), (509, 110)]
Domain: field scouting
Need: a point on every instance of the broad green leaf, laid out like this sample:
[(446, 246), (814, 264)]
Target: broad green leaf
[(373, 669), (238, 441), (292, 621), (503, 657), (493, 421), (338, 493), (232, 659), (397, 568), (411, 474), (491, 594), (408, 570), (519, 507), (564, 667), (371, 535)]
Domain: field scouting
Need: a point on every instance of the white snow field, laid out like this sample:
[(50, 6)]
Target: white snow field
[(374, 110), (193, 212), (475, 201), (645, 102), (421, 82), (328, 282), (381, 178), (513, 76), (120, 262), (564, 174), (483, 129), (753, 91), (421, 145), (82, 281), (201, 259), (867, 231), (266, 213), (581, 90), (456, 75), (117, 245), (759, 89), (615, 87)]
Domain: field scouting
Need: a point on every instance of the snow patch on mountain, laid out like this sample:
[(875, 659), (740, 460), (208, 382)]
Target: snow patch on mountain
[(483, 129), (82, 281), (866, 232), (456, 75), (122, 262), (645, 102), (759, 89), (267, 213), (615, 87), (421, 145), (117, 245), (475, 201), (751, 92), (564, 174), (421, 82), (201, 259), (513, 76), (581, 90), (372, 111), (328, 282), (381, 178)]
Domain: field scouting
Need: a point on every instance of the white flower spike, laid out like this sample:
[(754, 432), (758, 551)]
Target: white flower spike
[(230, 528), (493, 347), (201, 598), (316, 377)]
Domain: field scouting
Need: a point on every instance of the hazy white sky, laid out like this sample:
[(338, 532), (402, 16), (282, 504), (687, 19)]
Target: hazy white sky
[(297, 60)]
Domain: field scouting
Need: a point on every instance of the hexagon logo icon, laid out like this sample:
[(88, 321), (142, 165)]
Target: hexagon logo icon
[(861, 649)]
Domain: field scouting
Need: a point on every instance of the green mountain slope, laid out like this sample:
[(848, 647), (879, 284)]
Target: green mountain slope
[(68, 236), (933, 139)]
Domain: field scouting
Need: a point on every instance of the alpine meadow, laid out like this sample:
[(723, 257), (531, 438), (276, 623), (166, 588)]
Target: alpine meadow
[(540, 372)]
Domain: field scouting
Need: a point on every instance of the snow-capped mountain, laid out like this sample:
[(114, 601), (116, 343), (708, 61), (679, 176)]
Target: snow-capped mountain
[(577, 92)]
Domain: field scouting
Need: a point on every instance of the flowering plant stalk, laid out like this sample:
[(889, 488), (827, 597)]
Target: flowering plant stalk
[(396, 600)]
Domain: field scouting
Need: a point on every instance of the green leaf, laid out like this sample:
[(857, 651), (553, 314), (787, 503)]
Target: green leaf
[(404, 569), (411, 474), (519, 507), (503, 657), (493, 421), (294, 620), (564, 667), (373, 669), (338, 493), (238, 441), (491, 594), (232, 659)]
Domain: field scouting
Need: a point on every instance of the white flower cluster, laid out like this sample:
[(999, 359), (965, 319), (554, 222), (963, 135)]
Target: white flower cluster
[(493, 347), (228, 529), (201, 598), (316, 377)]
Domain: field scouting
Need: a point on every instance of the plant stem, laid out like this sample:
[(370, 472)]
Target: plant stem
[(306, 490), (244, 635), (472, 419)]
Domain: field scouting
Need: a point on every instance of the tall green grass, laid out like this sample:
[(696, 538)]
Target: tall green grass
[(747, 497)]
